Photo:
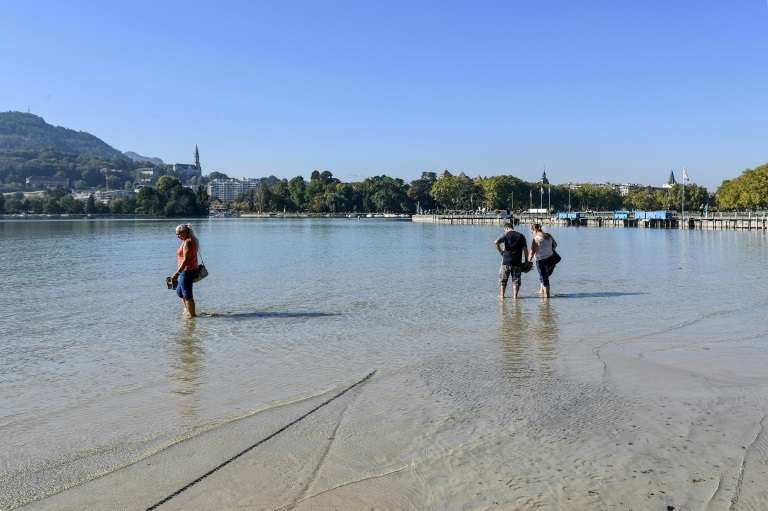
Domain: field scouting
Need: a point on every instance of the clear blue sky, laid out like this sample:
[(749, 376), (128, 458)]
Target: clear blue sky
[(594, 90)]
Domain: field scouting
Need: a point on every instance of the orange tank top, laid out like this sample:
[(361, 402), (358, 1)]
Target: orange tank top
[(192, 247)]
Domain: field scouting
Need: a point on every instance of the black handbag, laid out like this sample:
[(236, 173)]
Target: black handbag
[(202, 271), (555, 257)]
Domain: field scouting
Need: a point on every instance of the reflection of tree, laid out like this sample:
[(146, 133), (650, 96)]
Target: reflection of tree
[(188, 364), (529, 347)]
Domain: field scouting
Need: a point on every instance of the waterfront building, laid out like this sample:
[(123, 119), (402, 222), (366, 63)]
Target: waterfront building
[(225, 190), (47, 182), (228, 190)]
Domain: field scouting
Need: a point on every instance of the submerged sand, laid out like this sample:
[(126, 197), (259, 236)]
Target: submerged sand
[(669, 418)]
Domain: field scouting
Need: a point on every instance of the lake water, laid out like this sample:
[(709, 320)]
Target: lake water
[(98, 368)]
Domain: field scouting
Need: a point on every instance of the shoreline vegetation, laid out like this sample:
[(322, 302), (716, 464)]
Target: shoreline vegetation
[(32, 151), (324, 194)]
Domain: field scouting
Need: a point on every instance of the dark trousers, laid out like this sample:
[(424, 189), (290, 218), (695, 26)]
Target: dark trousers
[(545, 267)]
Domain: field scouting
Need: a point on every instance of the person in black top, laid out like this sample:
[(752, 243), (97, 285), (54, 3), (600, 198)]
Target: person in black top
[(512, 246)]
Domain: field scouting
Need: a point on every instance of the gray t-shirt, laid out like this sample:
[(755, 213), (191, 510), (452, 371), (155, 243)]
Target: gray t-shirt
[(545, 246)]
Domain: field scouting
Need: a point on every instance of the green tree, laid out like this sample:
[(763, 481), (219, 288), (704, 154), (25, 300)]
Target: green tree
[(297, 190), (597, 197), (52, 206), (419, 191), (748, 191), (456, 192), (71, 205), (117, 206), (385, 194), (168, 184), (90, 205), (502, 191), (148, 202), (14, 205), (644, 199)]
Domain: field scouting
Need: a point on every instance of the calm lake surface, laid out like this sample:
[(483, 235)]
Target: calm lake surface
[(98, 368)]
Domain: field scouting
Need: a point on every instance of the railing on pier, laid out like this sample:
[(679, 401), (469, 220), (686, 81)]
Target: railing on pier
[(657, 220)]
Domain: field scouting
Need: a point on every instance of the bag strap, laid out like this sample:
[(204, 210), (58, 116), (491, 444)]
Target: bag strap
[(200, 255)]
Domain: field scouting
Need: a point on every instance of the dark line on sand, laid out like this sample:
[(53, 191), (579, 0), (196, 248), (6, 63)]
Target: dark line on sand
[(743, 465), (253, 446)]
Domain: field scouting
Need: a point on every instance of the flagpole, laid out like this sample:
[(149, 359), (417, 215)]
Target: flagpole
[(685, 175), (541, 197)]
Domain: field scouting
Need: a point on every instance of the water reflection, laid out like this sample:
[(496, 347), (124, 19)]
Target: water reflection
[(529, 338), (188, 368), (545, 335)]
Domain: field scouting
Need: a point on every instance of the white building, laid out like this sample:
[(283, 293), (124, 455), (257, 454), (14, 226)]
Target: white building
[(228, 190), (148, 175), (104, 196), (626, 188)]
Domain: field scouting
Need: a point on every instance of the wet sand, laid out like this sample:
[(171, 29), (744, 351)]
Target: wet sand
[(652, 421)]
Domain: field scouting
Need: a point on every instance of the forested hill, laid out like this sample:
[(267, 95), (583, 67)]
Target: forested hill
[(29, 146), (28, 132)]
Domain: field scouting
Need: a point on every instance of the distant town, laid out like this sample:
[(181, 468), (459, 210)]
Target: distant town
[(53, 170), (123, 190)]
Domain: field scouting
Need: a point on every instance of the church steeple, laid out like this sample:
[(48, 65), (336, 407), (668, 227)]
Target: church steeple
[(544, 179), (197, 158), (671, 178)]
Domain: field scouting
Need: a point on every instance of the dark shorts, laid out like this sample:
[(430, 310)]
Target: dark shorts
[(184, 288), (506, 272)]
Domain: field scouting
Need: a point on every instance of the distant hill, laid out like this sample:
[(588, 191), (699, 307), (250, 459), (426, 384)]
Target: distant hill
[(29, 146), (20, 132), (143, 159)]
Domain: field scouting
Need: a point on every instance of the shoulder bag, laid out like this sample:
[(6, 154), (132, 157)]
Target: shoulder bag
[(202, 271)]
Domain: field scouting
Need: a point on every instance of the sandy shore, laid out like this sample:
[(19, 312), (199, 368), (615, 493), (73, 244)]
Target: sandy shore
[(652, 422)]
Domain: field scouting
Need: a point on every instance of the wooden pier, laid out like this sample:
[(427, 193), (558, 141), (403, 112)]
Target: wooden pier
[(715, 222)]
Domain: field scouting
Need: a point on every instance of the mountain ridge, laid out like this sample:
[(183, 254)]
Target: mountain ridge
[(24, 132), (138, 158)]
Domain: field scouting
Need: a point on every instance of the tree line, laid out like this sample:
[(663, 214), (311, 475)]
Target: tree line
[(748, 191), (168, 198), (324, 193)]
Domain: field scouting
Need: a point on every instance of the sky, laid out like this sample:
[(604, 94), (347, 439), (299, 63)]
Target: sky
[(618, 91)]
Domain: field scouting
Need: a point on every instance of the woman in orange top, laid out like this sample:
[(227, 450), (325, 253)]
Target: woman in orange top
[(187, 266)]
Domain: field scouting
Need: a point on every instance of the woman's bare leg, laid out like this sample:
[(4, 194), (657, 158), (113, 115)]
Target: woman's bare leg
[(189, 307)]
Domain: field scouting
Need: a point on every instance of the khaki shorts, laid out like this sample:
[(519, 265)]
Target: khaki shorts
[(506, 272)]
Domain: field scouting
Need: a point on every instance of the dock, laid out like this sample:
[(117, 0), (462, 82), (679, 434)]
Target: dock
[(712, 222)]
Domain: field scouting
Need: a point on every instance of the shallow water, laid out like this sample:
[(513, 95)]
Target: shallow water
[(98, 368)]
